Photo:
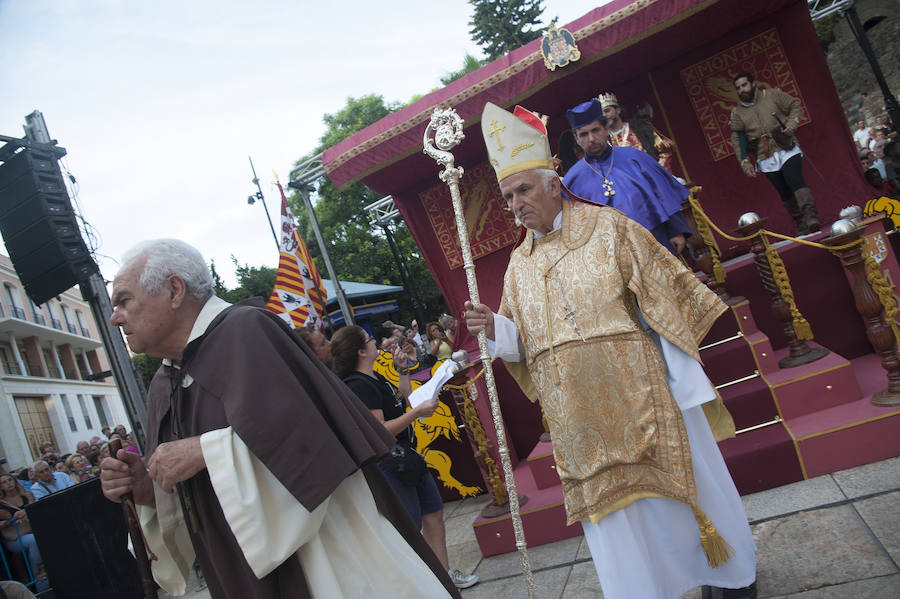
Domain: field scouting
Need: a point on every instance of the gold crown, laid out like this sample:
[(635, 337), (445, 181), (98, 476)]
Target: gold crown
[(607, 100)]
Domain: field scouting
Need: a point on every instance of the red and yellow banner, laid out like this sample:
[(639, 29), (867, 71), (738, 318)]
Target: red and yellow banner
[(709, 84), (298, 296)]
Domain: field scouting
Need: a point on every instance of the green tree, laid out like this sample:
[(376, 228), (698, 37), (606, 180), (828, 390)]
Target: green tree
[(146, 367), (357, 248), (470, 63), (500, 26)]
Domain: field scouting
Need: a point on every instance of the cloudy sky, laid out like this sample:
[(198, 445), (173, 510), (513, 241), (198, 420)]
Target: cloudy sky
[(160, 103)]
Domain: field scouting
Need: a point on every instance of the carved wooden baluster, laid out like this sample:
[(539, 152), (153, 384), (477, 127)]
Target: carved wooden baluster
[(703, 256), (800, 352), (869, 306)]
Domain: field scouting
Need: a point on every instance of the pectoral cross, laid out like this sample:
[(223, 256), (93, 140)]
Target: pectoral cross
[(570, 315), (607, 187), (495, 130)]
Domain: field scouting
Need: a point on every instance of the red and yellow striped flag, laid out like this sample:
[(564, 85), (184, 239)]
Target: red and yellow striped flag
[(299, 297)]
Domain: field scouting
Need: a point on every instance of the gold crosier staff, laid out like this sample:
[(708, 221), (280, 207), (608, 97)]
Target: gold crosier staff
[(448, 132)]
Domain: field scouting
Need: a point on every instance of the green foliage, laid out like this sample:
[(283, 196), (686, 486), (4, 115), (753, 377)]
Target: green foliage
[(253, 281), (500, 26), (358, 249), (146, 367), (470, 63)]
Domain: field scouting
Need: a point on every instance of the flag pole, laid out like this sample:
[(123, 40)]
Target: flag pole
[(259, 196), (316, 287), (447, 127)]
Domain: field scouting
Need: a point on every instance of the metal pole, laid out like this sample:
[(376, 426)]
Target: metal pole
[(404, 277), (447, 127), (314, 222), (262, 200), (93, 291), (890, 102)]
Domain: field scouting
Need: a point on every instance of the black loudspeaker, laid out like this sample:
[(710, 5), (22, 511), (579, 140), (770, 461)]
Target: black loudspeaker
[(39, 227), (83, 541)]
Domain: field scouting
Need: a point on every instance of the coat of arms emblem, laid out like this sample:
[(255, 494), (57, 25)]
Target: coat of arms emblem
[(558, 48)]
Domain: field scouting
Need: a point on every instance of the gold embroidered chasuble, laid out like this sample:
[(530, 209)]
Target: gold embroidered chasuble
[(618, 434)]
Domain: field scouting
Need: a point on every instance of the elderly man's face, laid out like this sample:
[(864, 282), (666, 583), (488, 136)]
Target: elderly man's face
[(43, 472), (83, 447), (592, 138), (147, 320), (534, 206)]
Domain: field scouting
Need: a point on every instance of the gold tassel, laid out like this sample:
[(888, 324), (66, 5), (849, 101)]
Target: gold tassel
[(717, 549)]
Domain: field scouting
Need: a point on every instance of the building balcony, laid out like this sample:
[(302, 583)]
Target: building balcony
[(55, 323), (22, 329), (72, 328), (18, 312), (39, 319)]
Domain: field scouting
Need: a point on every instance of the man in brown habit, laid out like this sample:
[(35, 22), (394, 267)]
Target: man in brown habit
[(262, 464)]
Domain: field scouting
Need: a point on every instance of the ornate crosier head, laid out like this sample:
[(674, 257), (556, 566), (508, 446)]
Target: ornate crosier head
[(448, 132)]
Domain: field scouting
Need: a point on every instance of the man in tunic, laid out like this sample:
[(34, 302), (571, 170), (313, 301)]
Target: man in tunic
[(604, 322), (762, 135), (625, 178), (636, 133), (262, 463)]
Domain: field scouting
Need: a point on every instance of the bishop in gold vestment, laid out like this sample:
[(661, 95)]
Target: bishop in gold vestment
[(600, 323)]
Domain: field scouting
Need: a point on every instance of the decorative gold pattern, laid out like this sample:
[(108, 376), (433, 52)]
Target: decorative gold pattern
[(617, 376), (515, 151), (428, 430), (483, 455)]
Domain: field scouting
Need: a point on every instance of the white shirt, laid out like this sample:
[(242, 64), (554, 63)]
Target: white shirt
[(861, 137)]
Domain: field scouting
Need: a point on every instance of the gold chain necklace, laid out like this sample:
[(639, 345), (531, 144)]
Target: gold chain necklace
[(608, 191)]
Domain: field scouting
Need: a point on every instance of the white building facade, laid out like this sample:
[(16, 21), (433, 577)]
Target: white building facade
[(48, 355)]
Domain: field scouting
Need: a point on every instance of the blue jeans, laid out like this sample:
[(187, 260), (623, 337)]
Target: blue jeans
[(33, 555)]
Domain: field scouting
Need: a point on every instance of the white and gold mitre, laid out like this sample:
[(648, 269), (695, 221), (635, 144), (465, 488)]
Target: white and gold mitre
[(516, 141), (607, 100)]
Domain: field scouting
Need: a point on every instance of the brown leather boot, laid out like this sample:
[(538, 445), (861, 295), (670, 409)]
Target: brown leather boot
[(808, 209)]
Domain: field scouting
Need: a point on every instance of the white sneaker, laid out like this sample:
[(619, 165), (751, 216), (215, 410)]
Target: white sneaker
[(463, 581)]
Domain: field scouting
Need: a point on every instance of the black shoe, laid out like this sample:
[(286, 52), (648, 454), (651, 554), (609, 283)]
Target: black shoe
[(744, 593)]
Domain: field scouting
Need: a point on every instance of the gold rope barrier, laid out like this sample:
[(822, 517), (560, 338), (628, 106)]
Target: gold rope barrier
[(707, 220), (702, 225), (883, 290), (779, 274)]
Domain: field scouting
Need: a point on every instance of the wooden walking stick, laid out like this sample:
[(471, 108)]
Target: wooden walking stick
[(446, 126), (137, 537)]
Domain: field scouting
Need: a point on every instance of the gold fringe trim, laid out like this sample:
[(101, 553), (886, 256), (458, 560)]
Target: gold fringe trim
[(717, 549), (779, 274)]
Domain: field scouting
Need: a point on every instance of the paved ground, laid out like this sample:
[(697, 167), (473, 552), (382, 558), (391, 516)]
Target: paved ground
[(832, 537)]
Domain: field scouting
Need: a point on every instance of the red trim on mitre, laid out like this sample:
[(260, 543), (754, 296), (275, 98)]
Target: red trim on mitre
[(530, 118)]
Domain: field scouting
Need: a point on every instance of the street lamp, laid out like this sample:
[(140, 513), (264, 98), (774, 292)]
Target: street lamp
[(251, 199)]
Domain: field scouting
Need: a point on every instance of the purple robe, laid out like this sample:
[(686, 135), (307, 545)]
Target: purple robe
[(645, 192)]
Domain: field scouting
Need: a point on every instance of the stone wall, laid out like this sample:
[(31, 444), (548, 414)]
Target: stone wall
[(850, 70)]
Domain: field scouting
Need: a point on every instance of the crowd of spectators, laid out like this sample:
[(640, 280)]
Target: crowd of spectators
[(52, 472), (879, 153), (422, 349)]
